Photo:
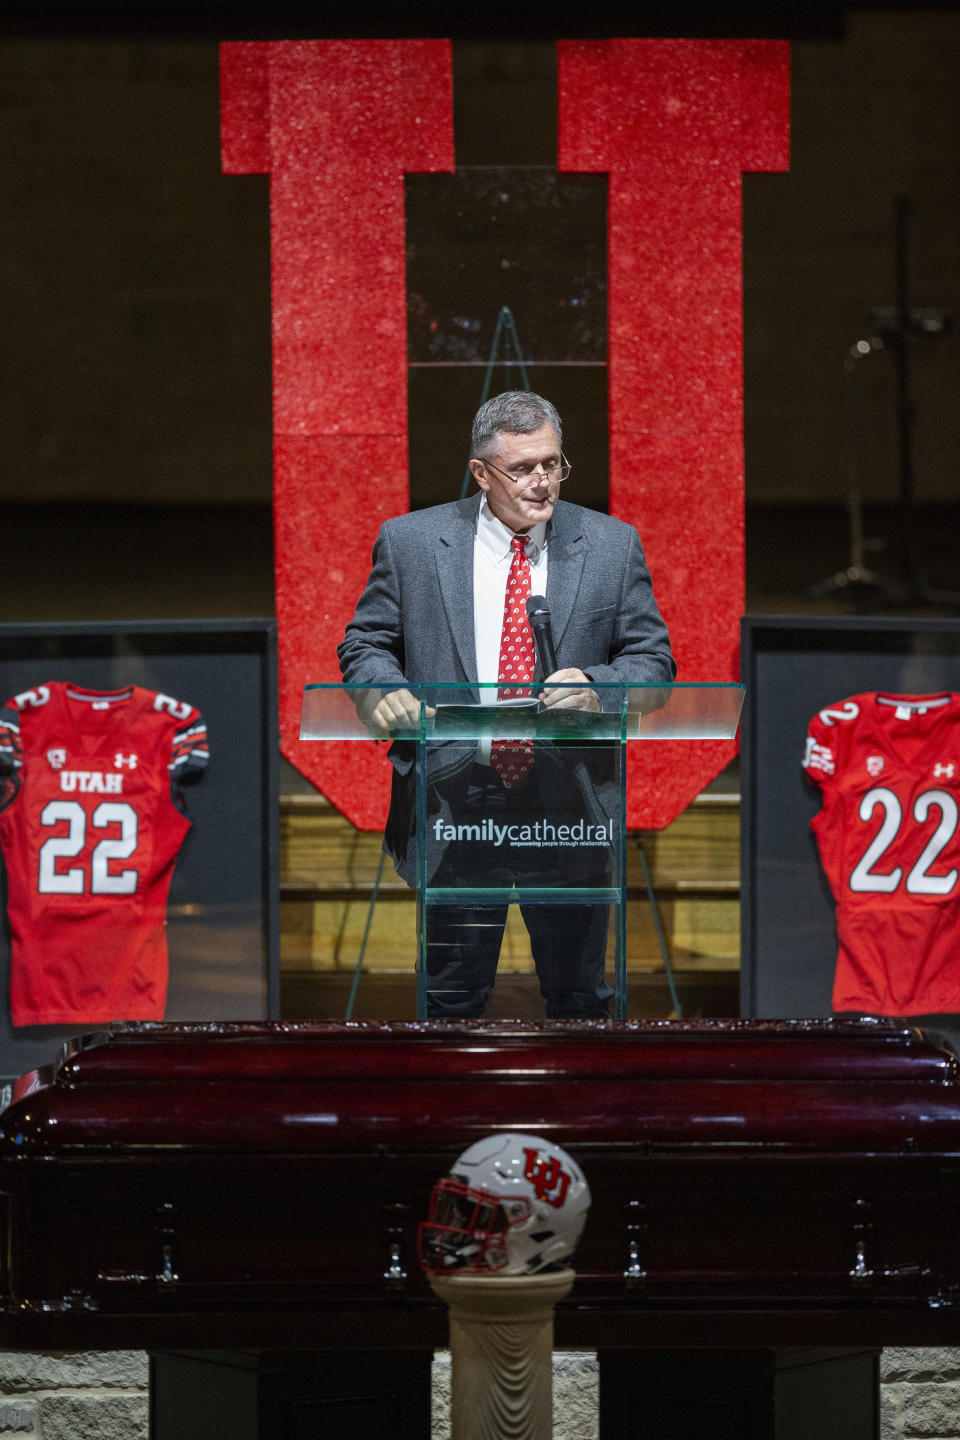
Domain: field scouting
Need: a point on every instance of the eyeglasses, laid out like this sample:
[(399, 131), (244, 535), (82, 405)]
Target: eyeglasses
[(556, 472)]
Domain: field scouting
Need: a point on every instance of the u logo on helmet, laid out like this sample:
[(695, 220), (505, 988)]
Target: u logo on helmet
[(546, 1176)]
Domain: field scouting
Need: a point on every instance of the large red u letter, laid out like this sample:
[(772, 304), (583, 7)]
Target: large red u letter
[(674, 123)]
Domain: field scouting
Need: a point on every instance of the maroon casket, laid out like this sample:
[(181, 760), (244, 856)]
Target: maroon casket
[(772, 1183)]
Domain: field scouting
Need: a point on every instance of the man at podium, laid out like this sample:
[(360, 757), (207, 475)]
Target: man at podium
[(446, 602)]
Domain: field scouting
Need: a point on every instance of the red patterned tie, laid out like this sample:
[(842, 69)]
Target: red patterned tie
[(513, 759)]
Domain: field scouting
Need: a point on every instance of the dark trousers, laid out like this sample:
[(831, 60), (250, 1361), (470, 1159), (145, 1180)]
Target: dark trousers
[(568, 942)]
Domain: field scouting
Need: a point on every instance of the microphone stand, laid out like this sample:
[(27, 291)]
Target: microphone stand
[(896, 328), (856, 575)]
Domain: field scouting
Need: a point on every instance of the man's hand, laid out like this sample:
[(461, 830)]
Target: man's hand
[(397, 711), (575, 694)]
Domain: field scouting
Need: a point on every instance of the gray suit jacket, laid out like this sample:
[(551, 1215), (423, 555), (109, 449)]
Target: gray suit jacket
[(414, 621)]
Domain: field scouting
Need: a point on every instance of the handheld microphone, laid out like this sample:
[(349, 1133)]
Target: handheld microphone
[(538, 613)]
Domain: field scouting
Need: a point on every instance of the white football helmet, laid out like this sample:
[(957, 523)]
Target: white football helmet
[(513, 1205)]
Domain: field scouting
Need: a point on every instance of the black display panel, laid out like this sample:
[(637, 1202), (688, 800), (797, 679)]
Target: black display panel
[(792, 667), (222, 915)]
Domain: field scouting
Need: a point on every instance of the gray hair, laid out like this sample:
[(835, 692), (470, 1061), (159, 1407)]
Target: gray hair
[(516, 412)]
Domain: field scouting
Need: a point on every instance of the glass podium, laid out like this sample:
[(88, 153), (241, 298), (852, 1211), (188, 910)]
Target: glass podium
[(501, 802)]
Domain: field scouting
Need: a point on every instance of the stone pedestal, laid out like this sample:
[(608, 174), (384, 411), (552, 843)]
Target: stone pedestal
[(501, 1347)]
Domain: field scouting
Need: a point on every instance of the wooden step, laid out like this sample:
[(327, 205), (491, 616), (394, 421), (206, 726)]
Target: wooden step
[(392, 995)]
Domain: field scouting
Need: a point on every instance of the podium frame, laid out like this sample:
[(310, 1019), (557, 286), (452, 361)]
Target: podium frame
[(452, 729)]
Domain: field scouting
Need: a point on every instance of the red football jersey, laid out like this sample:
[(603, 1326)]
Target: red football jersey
[(889, 770), (90, 827)]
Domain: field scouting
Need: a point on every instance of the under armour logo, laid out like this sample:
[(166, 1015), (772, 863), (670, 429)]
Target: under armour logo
[(546, 1176), (120, 760), (57, 757), (945, 771)]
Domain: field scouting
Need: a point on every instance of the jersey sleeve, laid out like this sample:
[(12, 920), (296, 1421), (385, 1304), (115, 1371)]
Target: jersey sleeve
[(819, 755), (190, 750), (11, 754), (11, 749)]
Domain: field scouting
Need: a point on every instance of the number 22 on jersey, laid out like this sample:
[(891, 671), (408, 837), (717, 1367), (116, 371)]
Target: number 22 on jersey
[(868, 875), (66, 845)]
